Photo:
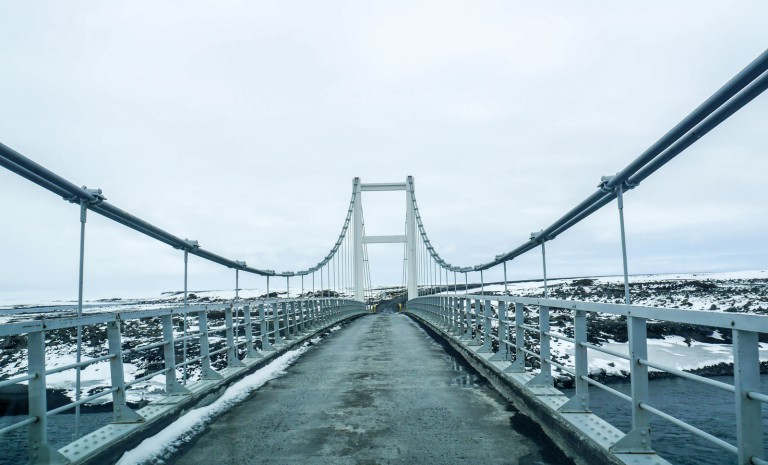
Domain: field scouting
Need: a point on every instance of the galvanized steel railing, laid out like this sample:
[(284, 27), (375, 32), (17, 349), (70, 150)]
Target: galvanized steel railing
[(485, 322), (251, 330)]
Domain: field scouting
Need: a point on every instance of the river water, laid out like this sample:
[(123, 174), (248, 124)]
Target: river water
[(705, 407)]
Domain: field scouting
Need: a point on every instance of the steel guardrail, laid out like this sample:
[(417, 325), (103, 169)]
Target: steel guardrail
[(253, 330), (479, 320)]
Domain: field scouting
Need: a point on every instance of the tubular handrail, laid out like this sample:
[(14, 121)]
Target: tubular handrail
[(97, 203)]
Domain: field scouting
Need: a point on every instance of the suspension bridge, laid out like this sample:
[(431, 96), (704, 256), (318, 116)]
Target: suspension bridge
[(375, 391)]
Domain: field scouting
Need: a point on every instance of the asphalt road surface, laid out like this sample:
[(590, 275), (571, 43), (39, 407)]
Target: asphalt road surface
[(378, 391)]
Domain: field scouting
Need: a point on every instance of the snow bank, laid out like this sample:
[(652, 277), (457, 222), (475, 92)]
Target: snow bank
[(170, 439)]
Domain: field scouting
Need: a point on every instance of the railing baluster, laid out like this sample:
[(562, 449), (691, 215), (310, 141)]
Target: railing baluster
[(286, 322), (486, 347), (474, 332), (120, 410), (274, 306), (579, 403), (544, 378), (233, 360), (518, 366), (503, 352), (466, 303), (172, 386), (40, 452), (251, 351), (206, 371), (264, 329), (746, 371), (638, 440)]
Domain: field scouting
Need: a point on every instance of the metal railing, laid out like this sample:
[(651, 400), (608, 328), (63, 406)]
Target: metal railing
[(487, 322), (248, 331)]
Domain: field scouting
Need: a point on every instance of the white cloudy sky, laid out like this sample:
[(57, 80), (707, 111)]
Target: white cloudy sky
[(242, 124)]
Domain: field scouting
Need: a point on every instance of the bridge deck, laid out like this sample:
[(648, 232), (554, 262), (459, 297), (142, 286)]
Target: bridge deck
[(378, 391)]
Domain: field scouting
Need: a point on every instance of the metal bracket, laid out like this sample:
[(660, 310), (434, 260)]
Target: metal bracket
[(576, 404), (125, 414), (515, 367), (44, 454), (543, 378), (637, 441), (604, 180), (209, 373), (94, 192), (174, 388)]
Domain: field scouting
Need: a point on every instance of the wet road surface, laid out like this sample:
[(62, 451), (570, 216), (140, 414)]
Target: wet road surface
[(378, 391)]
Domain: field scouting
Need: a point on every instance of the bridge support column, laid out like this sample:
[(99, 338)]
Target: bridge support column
[(357, 231), (410, 241)]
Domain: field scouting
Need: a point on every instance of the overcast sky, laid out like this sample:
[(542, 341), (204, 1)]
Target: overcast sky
[(242, 125)]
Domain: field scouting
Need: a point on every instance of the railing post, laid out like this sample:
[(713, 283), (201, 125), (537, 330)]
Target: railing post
[(232, 357), (120, 410), (518, 366), (251, 351), (172, 386), (313, 324), (286, 322), (466, 303), (300, 307), (638, 440), (475, 318), (544, 378), (40, 452), (579, 403), (503, 352), (443, 302), (746, 371), (206, 372), (458, 326), (264, 329), (487, 339), (274, 306)]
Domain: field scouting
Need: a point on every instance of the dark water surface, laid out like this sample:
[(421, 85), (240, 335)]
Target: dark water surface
[(705, 407), (61, 431)]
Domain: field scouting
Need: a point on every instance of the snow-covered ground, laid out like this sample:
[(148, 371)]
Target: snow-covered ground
[(738, 292)]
